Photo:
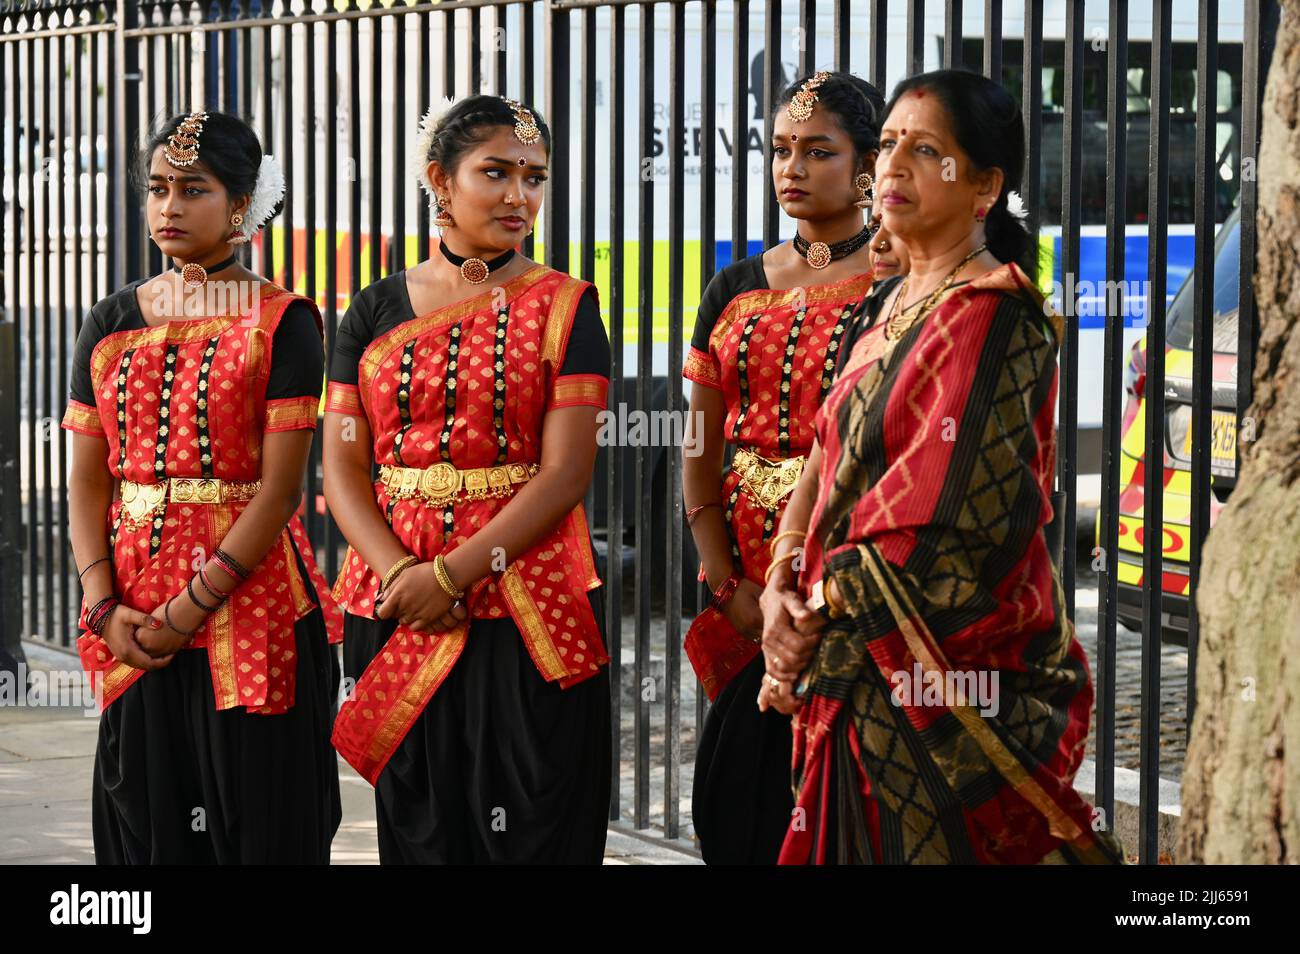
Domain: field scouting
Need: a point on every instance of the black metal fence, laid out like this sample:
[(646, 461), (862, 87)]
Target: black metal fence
[(335, 91)]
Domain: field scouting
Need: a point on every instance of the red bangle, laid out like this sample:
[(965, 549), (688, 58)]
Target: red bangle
[(725, 591)]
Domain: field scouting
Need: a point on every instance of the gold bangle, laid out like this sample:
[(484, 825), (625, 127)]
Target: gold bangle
[(777, 562), (833, 606), (771, 547), (394, 571), (444, 578)]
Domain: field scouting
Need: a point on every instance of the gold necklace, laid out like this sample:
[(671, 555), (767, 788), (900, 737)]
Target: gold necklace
[(900, 321)]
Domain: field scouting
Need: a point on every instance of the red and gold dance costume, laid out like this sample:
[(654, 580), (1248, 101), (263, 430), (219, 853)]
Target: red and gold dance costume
[(772, 354), (938, 456), (183, 408), (456, 399)]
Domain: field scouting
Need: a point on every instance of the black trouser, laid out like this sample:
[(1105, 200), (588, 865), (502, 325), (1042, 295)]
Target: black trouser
[(501, 766), (741, 798)]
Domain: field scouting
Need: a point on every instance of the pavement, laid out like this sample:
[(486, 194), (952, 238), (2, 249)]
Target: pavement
[(47, 755)]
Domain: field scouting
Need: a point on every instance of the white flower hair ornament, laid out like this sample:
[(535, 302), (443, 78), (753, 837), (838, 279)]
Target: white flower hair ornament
[(423, 142), (267, 193), (1016, 206)]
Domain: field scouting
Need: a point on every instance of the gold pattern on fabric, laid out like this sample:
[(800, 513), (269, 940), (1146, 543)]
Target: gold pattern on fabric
[(381, 347)]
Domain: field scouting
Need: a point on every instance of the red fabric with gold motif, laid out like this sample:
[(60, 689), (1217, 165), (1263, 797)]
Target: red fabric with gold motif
[(188, 399), (772, 354), (938, 457), (469, 384)]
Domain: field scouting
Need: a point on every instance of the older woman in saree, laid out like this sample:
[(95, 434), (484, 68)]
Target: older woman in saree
[(925, 575)]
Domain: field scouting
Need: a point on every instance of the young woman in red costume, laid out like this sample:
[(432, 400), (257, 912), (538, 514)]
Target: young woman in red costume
[(481, 711), (206, 623), (766, 342)]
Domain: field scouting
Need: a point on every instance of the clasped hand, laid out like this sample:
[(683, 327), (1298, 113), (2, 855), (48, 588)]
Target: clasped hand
[(791, 633), (420, 603)]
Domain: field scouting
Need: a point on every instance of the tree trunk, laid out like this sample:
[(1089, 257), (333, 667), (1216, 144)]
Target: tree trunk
[(1241, 794)]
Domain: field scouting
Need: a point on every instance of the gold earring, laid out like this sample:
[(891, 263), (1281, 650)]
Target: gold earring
[(237, 237), (866, 190), (443, 219)]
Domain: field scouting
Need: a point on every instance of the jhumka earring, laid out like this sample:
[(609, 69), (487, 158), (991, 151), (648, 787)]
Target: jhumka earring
[(443, 219), (866, 191), (237, 237)]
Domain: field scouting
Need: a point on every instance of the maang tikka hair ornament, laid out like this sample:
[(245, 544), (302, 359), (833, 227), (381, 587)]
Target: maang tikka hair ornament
[(801, 103), (526, 130), (182, 147)]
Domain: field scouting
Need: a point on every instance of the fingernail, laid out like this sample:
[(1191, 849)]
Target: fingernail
[(155, 622)]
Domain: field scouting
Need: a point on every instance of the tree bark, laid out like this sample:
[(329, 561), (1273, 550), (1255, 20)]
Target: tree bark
[(1241, 790)]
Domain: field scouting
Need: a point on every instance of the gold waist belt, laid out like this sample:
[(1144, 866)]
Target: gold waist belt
[(768, 481), (442, 483), (141, 501)]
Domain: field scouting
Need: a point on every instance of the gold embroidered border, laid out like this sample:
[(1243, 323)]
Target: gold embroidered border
[(416, 693), (118, 677), (343, 399), (766, 299), (109, 349), (221, 635), (336, 591), (381, 347), (302, 604), (283, 414), (564, 306), (699, 368), (574, 390), (83, 419), (578, 515), (529, 619)]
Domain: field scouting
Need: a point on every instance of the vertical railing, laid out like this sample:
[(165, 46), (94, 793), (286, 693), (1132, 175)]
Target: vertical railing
[(1112, 400), (73, 72), (1153, 485)]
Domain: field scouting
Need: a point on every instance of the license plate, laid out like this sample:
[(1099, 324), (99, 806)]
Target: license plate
[(1223, 439)]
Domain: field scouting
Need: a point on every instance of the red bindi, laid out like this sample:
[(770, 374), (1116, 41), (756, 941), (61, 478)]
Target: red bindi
[(794, 137), (920, 94)]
